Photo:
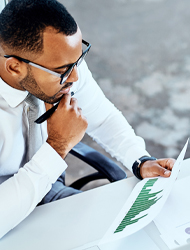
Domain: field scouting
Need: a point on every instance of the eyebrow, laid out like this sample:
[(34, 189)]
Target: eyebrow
[(67, 65), (64, 66)]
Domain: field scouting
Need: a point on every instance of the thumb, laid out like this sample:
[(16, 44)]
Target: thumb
[(163, 172)]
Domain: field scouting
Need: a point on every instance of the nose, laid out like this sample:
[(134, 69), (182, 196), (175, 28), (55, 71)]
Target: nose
[(73, 77)]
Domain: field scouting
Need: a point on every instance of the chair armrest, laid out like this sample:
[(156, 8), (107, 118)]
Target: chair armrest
[(105, 166)]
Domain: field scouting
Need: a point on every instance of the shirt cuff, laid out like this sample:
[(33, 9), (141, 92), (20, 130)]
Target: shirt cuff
[(49, 161), (133, 154)]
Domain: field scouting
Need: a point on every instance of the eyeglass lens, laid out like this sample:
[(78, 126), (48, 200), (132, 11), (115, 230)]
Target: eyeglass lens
[(67, 74)]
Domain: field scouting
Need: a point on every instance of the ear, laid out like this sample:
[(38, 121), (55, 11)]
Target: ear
[(15, 68)]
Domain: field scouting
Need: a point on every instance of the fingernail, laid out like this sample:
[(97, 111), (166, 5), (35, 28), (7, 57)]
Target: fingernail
[(167, 172)]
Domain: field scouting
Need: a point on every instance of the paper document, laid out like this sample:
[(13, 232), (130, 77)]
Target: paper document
[(173, 221), (144, 204)]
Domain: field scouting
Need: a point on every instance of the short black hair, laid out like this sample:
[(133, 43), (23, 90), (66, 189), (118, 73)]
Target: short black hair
[(22, 23)]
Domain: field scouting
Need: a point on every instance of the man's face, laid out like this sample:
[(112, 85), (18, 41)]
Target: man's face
[(59, 51)]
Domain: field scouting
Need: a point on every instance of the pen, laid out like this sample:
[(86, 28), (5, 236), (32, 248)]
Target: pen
[(48, 113)]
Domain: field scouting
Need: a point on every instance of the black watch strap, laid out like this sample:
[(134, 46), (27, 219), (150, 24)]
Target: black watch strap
[(137, 163)]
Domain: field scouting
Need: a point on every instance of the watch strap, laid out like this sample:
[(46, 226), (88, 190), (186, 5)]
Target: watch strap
[(137, 163)]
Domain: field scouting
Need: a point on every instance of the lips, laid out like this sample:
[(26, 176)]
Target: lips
[(65, 89)]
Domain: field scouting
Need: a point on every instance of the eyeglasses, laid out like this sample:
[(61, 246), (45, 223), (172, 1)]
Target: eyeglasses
[(63, 76)]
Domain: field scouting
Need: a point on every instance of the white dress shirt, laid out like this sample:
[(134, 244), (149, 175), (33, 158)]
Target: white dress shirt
[(23, 184)]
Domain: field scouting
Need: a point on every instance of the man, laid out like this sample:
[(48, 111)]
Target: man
[(40, 52)]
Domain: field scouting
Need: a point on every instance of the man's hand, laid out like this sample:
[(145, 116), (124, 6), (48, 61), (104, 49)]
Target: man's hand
[(67, 126), (160, 167)]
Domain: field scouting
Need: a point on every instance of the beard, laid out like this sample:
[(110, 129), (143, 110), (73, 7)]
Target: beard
[(29, 83)]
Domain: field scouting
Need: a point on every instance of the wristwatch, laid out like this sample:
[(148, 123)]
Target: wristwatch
[(137, 163)]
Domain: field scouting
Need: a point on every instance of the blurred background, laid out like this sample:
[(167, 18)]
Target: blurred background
[(140, 57)]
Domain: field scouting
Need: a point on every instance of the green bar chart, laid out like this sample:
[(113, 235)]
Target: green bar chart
[(144, 201)]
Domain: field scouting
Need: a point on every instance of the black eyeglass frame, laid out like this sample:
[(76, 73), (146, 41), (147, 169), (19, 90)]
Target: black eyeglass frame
[(63, 76)]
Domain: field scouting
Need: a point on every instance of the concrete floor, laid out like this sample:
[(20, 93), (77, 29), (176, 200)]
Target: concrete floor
[(140, 57)]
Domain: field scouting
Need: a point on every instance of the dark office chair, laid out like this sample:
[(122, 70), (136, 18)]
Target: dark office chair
[(105, 167)]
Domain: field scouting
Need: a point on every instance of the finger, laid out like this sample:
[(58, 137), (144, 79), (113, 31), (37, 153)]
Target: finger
[(73, 102), (160, 171), (80, 112), (66, 99), (48, 106), (166, 163)]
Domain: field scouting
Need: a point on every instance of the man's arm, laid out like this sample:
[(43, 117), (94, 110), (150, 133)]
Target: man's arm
[(21, 193), (108, 127)]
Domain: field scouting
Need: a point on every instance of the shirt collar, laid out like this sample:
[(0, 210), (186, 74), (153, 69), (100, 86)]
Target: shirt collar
[(11, 95)]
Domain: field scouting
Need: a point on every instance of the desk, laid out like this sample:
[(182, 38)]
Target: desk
[(74, 221)]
